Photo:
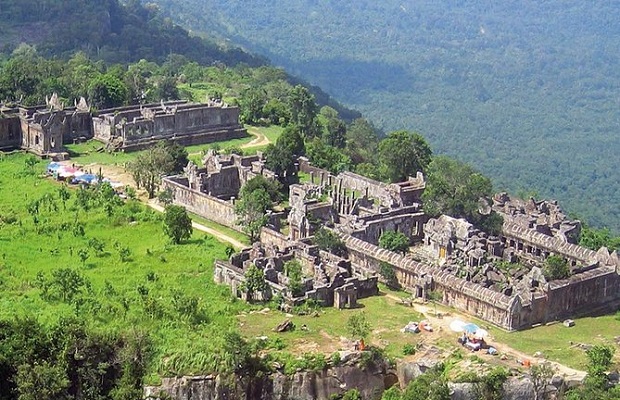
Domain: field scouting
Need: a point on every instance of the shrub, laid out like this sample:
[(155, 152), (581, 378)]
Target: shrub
[(556, 267), (408, 349)]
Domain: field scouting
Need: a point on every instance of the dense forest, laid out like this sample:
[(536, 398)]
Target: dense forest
[(525, 91), (117, 32)]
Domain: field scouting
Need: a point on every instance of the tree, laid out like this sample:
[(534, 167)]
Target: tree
[(328, 241), (402, 154), (250, 209), (328, 157), (179, 155), (335, 128), (149, 166), (594, 239), (456, 189), (556, 267), (303, 110), (273, 188), (107, 91), (42, 380), (254, 281), (361, 141), (431, 385), (177, 224), (293, 270), (387, 273), (540, 375), (596, 384), (394, 241), (358, 326)]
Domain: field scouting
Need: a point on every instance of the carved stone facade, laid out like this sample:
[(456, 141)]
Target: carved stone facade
[(44, 130), (137, 127)]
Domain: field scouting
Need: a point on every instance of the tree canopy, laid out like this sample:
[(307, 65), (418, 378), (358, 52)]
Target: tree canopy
[(394, 241), (177, 224), (403, 154), (456, 189)]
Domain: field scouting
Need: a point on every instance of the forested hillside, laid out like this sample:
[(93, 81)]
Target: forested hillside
[(525, 91)]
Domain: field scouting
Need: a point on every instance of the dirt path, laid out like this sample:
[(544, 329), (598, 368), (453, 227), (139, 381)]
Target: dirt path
[(443, 325), (118, 174), (260, 140)]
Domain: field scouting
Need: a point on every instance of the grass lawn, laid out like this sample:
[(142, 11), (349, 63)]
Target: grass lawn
[(554, 341), (324, 331), (245, 239)]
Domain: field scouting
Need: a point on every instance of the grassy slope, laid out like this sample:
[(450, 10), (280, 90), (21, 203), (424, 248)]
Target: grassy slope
[(187, 268)]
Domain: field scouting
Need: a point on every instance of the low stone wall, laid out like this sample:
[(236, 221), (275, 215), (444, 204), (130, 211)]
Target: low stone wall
[(209, 207)]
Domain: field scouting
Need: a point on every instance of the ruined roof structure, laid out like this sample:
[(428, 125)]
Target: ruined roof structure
[(45, 129), (211, 191)]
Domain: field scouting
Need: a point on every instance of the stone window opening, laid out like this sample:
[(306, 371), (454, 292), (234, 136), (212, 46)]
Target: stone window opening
[(36, 139)]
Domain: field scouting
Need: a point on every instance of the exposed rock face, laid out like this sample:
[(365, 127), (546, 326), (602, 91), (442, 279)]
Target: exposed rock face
[(323, 385), (305, 385)]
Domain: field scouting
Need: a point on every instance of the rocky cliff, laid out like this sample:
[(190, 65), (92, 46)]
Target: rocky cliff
[(324, 385)]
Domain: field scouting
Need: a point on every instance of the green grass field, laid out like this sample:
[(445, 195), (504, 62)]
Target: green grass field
[(559, 343), (165, 289)]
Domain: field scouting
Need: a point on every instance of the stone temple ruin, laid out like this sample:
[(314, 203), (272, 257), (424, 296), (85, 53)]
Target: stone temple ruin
[(44, 130), (211, 191), (327, 279), (496, 278)]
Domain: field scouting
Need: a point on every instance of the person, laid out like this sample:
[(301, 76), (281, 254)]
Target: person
[(362, 344)]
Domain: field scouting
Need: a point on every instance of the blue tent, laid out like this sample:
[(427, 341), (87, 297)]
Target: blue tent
[(53, 167), (86, 178), (470, 328)]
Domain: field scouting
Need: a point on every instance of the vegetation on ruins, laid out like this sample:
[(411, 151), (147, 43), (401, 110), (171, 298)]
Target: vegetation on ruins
[(394, 241), (293, 270), (594, 239), (556, 267), (328, 241), (458, 190), (403, 154), (254, 281), (177, 224), (252, 206), (389, 276)]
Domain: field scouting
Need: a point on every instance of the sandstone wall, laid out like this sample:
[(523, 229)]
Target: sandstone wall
[(10, 131), (209, 207)]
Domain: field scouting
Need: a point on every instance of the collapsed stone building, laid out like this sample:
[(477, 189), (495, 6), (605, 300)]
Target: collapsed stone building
[(496, 278), (45, 129), (328, 279)]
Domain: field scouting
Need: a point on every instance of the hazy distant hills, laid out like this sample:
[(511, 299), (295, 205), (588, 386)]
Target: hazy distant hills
[(526, 91)]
